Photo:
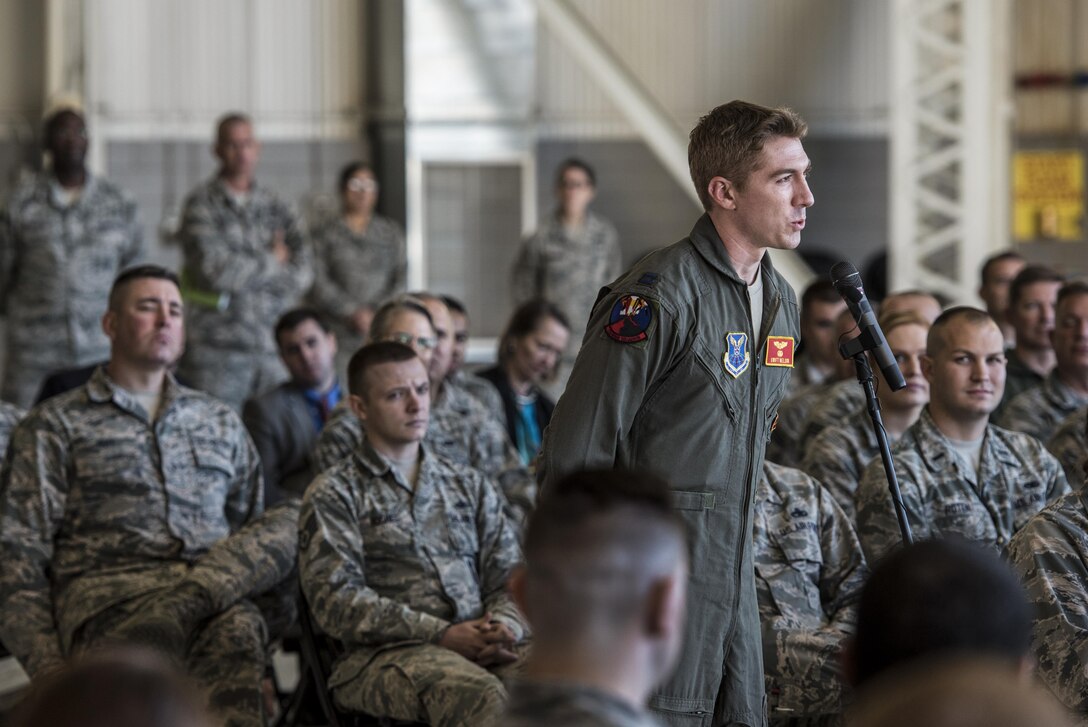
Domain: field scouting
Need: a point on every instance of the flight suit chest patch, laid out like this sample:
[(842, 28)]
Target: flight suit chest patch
[(780, 351), (736, 357), (631, 319)]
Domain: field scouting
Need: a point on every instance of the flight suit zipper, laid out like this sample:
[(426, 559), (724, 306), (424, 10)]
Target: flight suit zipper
[(768, 324)]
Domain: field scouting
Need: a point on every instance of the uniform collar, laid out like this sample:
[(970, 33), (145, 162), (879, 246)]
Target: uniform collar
[(102, 389), (936, 450), (709, 245), (54, 191), (219, 187), (371, 462)]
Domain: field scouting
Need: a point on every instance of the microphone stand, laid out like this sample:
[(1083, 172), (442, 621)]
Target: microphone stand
[(856, 349)]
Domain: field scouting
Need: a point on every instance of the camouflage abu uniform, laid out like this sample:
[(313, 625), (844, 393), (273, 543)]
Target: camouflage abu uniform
[(535, 704), (1018, 379), (653, 389), (480, 389), (1050, 553), (567, 269), (386, 568), (1039, 410), (57, 262), (837, 404), (102, 512), (236, 289), (809, 574), (1017, 478), (352, 271), (460, 431), (9, 417), (1070, 444), (786, 446), (837, 458)]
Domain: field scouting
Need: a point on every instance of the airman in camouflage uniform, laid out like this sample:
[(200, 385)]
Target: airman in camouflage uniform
[(565, 263), (9, 417), (835, 406), (64, 235), (837, 457), (1070, 444), (809, 574), (391, 567), (354, 271), (1033, 295), (786, 446), (1050, 554), (1039, 411), (942, 497), (245, 263), (119, 525), (460, 431)]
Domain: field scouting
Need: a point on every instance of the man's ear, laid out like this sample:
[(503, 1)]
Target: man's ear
[(358, 406), (927, 367), (723, 193), (109, 324)]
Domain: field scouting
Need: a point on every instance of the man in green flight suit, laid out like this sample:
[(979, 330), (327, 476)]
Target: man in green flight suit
[(684, 362)]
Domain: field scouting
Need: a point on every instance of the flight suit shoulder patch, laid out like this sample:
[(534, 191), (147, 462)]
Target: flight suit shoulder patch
[(631, 319)]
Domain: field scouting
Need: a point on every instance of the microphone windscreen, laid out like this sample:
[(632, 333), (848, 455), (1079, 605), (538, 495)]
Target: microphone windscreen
[(843, 270)]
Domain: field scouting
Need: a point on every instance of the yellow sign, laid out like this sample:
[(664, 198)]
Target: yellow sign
[(1048, 195)]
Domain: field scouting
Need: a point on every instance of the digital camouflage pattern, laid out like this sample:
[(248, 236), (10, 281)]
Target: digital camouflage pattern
[(353, 271), (837, 403), (1018, 379), (1039, 410), (536, 704), (786, 446), (838, 455), (1050, 554), (107, 518), (942, 497), (460, 430), (1070, 444), (568, 270), (809, 575), (228, 257), (9, 417), (386, 567), (57, 263), (482, 390)]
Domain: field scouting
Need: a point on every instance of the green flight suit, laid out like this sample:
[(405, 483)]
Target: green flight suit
[(652, 391)]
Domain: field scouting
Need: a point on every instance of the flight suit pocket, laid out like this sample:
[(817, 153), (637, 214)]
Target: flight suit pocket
[(712, 365)]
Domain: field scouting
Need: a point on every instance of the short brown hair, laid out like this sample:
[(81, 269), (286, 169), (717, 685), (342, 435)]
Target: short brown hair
[(1031, 275), (1071, 290), (371, 355), (727, 141), (971, 315), (228, 120)]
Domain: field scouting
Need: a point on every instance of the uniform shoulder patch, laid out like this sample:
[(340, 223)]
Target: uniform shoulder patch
[(779, 351), (630, 319)]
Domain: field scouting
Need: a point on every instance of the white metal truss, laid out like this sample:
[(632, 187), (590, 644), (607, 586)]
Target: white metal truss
[(951, 100), (644, 112)]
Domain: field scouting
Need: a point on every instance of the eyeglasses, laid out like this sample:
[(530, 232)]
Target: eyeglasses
[(424, 342), (362, 185)]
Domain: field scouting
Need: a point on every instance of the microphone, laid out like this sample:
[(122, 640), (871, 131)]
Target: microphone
[(847, 282)]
